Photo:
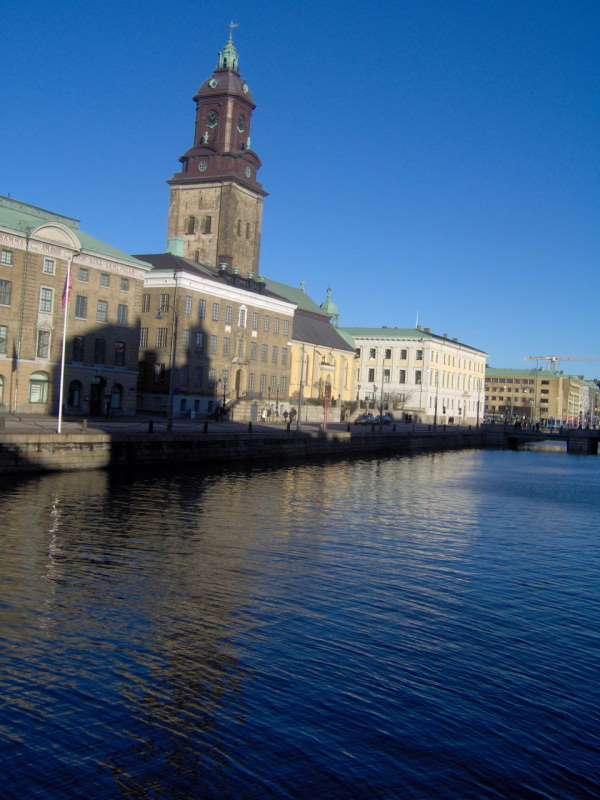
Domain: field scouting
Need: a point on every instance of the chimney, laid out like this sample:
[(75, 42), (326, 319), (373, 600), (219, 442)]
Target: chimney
[(418, 327), (445, 335), (427, 330), (455, 339), (175, 246)]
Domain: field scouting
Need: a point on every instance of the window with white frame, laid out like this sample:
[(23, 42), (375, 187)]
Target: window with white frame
[(124, 284), (3, 338), (43, 344), (84, 275), (5, 292), (266, 322), (49, 266), (6, 257), (228, 314), (263, 383), (187, 304), (242, 317), (104, 279), (276, 325), (145, 302), (255, 320), (143, 337), (215, 312), (81, 306), (102, 311), (46, 299), (286, 327), (122, 314), (201, 309), (161, 337)]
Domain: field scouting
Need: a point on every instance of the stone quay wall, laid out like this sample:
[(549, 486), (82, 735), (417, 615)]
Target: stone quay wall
[(48, 452)]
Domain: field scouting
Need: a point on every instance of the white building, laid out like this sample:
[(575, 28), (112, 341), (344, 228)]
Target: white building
[(419, 373)]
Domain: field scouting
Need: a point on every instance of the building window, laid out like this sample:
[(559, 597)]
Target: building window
[(183, 376), (143, 337), (46, 297), (38, 387), (387, 353), (251, 381), (274, 354), (104, 279), (49, 266), (199, 342), (386, 375), (273, 384), (207, 224), (78, 342), (371, 375), (6, 257), (239, 227), (190, 225), (122, 314), (161, 337), (74, 394), (284, 356), (3, 338), (99, 351), (286, 327), (403, 355), (43, 344), (215, 312), (418, 355), (119, 354), (266, 322), (212, 345), (252, 351), (242, 317), (185, 339), (263, 383), (212, 379), (146, 302), (81, 306), (282, 385), (402, 376), (102, 311), (187, 304), (84, 274), (276, 325), (226, 346), (418, 376), (247, 230), (201, 309), (240, 352), (254, 320), (264, 352), (124, 284), (228, 315), (372, 353), (198, 375), (163, 302), (159, 373)]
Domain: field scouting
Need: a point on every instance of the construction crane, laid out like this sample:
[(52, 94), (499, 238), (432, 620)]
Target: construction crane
[(554, 360)]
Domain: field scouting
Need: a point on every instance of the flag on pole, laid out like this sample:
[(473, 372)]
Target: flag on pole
[(68, 285)]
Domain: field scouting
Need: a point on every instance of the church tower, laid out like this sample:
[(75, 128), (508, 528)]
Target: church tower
[(215, 212)]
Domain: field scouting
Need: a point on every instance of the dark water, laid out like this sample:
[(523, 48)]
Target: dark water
[(424, 627)]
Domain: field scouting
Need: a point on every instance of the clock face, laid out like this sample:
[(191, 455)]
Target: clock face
[(201, 166), (241, 123), (213, 83), (212, 119), (245, 88), (248, 172)]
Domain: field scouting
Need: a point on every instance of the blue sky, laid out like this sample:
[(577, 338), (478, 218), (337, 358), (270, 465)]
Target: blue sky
[(431, 158)]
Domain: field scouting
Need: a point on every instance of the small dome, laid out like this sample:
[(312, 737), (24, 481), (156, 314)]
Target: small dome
[(330, 308)]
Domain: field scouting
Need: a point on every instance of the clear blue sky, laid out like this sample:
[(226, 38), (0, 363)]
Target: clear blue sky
[(431, 157)]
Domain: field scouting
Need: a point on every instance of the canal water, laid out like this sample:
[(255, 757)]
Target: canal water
[(423, 627)]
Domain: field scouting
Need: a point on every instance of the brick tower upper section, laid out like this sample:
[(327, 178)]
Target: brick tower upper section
[(215, 212)]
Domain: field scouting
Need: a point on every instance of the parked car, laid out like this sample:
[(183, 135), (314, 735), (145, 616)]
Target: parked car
[(385, 420), (364, 419)]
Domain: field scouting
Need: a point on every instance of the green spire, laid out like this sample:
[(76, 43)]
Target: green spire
[(228, 57)]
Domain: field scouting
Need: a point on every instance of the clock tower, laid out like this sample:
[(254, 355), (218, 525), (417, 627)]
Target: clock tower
[(215, 212)]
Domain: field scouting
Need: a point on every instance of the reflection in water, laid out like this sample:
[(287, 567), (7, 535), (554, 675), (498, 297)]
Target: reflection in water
[(415, 627)]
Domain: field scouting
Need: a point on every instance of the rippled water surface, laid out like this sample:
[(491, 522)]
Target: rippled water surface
[(422, 627)]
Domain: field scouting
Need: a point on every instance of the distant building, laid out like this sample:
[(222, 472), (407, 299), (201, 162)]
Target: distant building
[(415, 372), (540, 395), (101, 344)]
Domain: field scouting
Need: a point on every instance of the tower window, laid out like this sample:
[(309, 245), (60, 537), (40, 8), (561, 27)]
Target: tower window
[(247, 230), (239, 227), (207, 224), (190, 225)]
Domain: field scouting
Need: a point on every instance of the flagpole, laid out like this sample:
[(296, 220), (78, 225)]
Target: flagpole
[(66, 297)]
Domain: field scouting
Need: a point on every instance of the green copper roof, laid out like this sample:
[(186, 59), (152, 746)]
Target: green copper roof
[(22, 217), (498, 372), (404, 333), (228, 57), (297, 296)]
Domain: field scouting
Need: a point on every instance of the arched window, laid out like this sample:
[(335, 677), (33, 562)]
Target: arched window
[(239, 227), (38, 387), (197, 255), (116, 400), (190, 225), (1, 389), (74, 394), (247, 230)]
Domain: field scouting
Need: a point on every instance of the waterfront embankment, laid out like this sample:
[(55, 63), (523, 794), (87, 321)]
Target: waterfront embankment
[(46, 451)]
